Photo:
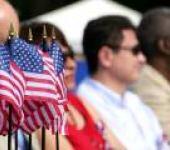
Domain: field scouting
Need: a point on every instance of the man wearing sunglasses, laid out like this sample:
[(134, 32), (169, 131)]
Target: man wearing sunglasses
[(115, 61), (154, 83)]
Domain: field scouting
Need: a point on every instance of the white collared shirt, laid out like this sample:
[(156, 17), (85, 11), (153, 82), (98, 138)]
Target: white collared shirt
[(128, 118)]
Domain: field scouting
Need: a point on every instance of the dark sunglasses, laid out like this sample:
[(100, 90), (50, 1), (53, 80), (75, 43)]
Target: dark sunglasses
[(135, 50)]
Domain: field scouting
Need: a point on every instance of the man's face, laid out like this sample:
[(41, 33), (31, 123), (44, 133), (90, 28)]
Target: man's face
[(127, 62)]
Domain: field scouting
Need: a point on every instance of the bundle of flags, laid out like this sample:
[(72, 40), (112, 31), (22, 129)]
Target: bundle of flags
[(12, 87), (35, 81)]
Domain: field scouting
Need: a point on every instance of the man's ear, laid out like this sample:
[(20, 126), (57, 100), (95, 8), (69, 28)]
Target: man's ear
[(164, 46), (105, 56)]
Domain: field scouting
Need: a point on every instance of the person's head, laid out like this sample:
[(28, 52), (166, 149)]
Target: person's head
[(7, 16), (110, 45), (37, 31), (154, 33)]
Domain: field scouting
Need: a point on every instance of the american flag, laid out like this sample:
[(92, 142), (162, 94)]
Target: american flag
[(41, 95), (12, 86), (56, 54)]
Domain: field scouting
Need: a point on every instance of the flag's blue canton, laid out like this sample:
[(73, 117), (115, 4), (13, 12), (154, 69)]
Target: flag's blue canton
[(26, 56), (4, 59), (56, 53)]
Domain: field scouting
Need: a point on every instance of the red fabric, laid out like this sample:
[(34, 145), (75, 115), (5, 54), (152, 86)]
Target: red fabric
[(87, 138)]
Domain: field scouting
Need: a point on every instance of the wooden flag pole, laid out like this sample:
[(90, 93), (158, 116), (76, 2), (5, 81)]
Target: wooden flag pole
[(30, 40), (44, 49), (30, 142), (10, 128), (11, 34), (57, 136), (43, 139), (16, 140), (57, 139)]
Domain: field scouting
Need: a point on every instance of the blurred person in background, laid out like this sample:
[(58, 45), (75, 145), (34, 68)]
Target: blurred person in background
[(154, 83), (115, 60), (83, 132)]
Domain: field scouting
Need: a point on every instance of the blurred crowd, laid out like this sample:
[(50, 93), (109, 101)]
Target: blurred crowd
[(124, 102)]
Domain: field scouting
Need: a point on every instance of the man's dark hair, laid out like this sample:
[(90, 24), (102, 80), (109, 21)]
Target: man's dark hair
[(154, 26), (104, 31)]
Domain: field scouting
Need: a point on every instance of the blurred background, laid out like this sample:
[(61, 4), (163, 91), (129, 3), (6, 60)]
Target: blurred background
[(31, 8), (71, 16)]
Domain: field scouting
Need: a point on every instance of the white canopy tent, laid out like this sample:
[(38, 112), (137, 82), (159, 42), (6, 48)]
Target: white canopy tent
[(73, 18)]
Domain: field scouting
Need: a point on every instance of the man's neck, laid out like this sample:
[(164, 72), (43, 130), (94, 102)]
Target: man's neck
[(110, 82), (162, 65)]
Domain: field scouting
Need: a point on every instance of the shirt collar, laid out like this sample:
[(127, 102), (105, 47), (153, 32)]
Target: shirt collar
[(111, 96)]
